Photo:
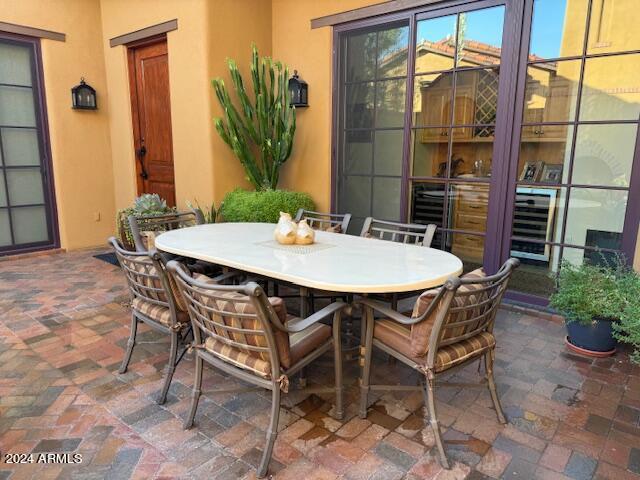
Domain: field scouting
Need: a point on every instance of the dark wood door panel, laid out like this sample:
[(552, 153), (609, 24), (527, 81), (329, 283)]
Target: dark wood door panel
[(151, 113)]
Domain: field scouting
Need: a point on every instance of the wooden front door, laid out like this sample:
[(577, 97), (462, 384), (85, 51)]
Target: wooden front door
[(151, 113)]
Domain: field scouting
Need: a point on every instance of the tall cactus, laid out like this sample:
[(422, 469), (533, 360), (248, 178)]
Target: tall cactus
[(260, 132)]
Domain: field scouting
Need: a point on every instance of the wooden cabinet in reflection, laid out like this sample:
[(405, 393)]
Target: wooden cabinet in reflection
[(469, 213)]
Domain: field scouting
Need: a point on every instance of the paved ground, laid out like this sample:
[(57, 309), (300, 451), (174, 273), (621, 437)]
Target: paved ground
[(62, 332)]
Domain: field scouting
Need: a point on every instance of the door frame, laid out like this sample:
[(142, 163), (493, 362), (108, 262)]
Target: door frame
[(44, 145), (133, 95)]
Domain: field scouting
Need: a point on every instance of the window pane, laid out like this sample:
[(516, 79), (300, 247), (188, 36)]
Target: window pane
[(535, 277), (477, 99), (604, 154), (356, 196), (427, 203), (432, 99), (595, 214), (390, 103), (361, 57), (16, 107), (358, 151), (610, 88), (392, 52), (469, 207), (551, 93), (470, 158), (25, 186), (430, 147), (15, 64), (435, 47), (480, 37), (20, 146), (470, 248), (29, 224), (558, 28), (388, 153), (545, 161), (359, 105), (386, 198), (5, 228), (613, 26), (538, 217)]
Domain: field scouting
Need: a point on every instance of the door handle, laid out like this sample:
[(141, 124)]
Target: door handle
[(140, 153)]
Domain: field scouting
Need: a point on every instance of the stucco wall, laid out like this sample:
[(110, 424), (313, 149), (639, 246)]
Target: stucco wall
[(80, 144)]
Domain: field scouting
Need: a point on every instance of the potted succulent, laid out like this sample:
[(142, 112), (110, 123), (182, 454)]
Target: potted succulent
[(145, 204), (591, 299)]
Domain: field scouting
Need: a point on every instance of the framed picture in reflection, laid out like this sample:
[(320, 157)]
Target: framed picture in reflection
[(531, 171), (552, 174)]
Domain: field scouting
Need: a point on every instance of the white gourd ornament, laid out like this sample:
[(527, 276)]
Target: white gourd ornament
[(305, 234), (285, 232)]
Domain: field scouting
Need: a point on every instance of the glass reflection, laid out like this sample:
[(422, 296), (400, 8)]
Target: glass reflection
[(606, 33), (361, 57), (429, 152), (470, 157), (392, 52), (359, 105), (388, 152), (551, 92), (386, 198), (432, 99), (390, 103), (558, 28), (468, 206), (427, 203), (544, 161), (480, 37), (435, 46)]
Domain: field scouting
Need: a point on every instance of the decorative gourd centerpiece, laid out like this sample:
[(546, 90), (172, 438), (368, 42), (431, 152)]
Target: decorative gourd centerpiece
[(305, 234), (287, 232)]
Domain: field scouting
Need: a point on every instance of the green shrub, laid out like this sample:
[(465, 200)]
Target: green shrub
[(262, 206), (628, 328), (589, 292)]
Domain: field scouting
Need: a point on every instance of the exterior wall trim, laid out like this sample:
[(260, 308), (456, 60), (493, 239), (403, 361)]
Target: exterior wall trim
[(144, 33), (32, 31)]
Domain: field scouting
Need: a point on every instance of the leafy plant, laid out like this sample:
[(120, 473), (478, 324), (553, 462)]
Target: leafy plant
[(628, 328), (146, 204), (208, 214), (260, 132), (589, 292), (244, 206)]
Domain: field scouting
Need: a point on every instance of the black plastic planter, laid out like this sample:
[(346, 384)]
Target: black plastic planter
[(595, 340)]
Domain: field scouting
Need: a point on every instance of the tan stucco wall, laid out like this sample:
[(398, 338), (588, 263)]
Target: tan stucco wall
[(309, 51), (189, 89), (80, 144)]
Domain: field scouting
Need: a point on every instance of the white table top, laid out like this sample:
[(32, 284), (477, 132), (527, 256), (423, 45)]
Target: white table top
[(336, 262)]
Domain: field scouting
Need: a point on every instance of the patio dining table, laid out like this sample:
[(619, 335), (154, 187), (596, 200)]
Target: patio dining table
[(335, 262)]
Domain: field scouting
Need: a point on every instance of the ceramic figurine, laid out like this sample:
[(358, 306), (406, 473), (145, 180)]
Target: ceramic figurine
[(305, 234), (286, 229)]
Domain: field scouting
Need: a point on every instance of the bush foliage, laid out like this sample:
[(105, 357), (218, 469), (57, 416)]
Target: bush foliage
[(262, 206)]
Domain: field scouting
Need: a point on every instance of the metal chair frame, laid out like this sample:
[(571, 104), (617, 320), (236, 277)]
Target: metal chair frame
[(162, 223), (163, 297), (476, 317), (412, 233), (324, 221), (209, 321)]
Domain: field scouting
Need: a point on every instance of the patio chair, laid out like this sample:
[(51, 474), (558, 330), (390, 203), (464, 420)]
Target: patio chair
[(144, 228), (411, 233), (154, 301), (241, 332), (328, 222), (449, 328)]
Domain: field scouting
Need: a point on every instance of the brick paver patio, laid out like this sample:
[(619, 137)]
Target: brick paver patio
[(63, 326)]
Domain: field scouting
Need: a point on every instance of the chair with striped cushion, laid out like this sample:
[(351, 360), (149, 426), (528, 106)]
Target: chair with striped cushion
[(144, 228), (154, 301), (449, 327), (328, 222), (242, 332)]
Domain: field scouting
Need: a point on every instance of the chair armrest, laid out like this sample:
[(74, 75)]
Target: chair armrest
[(223, 277), (327, 311), (389, 312)]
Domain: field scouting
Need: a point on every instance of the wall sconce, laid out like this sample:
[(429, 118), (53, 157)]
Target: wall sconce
[(83, 97), (299, 91)]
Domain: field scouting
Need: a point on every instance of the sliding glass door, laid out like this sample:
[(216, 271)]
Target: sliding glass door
[(512, 125), (26, 199)]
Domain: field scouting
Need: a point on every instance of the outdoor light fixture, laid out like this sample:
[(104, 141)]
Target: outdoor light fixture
[(83, 97), (299, 91)]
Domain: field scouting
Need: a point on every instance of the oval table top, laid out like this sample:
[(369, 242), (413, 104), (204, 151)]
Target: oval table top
[(336, 262)]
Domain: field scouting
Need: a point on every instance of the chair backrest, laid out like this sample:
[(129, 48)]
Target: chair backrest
[(412, 233), (238, 318), (147, 278), (141, 225), (467, 307), (331, 222)]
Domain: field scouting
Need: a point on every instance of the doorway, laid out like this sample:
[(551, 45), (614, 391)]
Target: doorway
[(151, 114), (28, 219)]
